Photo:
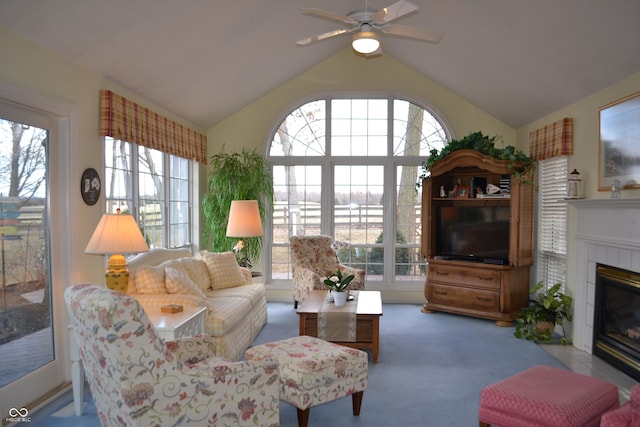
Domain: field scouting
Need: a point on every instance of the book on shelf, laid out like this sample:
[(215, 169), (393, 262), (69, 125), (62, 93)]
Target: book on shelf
[(494, 196)]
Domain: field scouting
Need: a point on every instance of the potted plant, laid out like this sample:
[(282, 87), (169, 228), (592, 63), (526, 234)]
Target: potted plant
[(548, 309), (337, 284), (241, 175)]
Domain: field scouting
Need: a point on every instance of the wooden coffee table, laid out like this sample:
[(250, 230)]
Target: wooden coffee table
[(368, 315)]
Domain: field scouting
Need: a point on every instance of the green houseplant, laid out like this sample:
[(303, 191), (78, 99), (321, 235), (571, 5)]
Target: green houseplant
[(537, 321), (241, 175)]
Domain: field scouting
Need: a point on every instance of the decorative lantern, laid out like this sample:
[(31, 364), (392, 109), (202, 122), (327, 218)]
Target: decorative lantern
[(574, 187)]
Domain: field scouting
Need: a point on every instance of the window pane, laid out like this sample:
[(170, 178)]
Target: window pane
[(415, 131), (118, 184), (358, 212), (179, 215), (359, 127), (302, 133), (297, 191), (297, 201), (151, 194), (408, 262)]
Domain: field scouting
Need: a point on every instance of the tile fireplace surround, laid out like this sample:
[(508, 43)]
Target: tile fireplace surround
[(607, 232)]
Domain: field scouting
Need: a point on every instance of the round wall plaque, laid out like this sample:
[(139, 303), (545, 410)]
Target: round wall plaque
[(90, 186)]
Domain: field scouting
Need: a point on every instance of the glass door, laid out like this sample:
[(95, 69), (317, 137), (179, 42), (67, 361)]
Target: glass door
[(28, 365)]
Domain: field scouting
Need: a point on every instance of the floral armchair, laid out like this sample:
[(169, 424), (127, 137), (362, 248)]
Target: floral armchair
[(137, 379), (313, 258)]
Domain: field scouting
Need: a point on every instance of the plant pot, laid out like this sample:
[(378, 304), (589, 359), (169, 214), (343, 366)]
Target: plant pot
[(546, 326), (339, 298)]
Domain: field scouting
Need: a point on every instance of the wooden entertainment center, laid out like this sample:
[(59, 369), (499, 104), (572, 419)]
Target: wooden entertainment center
[(489, 288)]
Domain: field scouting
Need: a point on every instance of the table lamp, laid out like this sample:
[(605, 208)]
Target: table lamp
[(117, 234), (244, 221)]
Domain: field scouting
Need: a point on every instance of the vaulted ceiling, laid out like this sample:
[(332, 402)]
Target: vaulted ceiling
[(519, 60)]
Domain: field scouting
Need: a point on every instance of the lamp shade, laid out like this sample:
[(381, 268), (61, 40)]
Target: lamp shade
[(117, 234), (244, 219), (365, 42)]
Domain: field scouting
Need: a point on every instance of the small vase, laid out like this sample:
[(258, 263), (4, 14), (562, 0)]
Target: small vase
[(339, 298)]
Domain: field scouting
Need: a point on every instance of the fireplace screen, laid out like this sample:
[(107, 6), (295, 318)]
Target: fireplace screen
[(616, 332)]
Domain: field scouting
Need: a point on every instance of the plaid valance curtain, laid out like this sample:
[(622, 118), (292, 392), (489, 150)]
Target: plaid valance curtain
[(552, 140), (131, 122)]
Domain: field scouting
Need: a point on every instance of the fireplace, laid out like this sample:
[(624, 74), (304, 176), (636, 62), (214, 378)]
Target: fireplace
[(616, 327)]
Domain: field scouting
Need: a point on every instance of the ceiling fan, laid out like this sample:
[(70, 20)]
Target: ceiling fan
[(365, 24)]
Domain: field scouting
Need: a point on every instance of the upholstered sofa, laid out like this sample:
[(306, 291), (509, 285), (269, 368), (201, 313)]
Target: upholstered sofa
[(236, 307)]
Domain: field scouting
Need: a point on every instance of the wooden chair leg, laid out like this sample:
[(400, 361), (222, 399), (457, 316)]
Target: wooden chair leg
[(303, 417), (356, 402), (483, 424)]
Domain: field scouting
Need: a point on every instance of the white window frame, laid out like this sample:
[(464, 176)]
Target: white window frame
[(167, 222), (390, 162)]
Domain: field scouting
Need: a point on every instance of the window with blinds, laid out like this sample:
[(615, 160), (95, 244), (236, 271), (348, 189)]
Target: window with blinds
[(552, 221)]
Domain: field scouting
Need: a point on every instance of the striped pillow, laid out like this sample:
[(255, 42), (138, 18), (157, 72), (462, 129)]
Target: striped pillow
[(150, 280)]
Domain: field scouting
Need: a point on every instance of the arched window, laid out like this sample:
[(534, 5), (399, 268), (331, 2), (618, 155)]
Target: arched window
[(348, 168)]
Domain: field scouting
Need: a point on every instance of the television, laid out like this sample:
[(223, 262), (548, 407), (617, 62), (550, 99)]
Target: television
[(472, 233)]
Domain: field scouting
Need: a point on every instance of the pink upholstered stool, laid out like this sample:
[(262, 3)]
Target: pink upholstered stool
[(628, 415), (314, 371), (547, 397)]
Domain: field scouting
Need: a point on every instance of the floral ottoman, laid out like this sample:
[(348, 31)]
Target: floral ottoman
[(314, 371)]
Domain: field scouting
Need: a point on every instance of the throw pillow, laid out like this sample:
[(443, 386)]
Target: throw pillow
[(194, 268), (150, 280), (224, 270), (179, 282)]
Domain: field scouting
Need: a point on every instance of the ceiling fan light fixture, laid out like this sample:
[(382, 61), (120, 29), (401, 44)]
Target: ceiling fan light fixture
[(365, 42)]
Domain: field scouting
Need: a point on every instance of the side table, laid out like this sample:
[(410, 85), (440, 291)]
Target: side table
[(169, 326)]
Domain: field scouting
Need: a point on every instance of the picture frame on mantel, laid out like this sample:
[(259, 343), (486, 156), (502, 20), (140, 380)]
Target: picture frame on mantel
[(619, 143)]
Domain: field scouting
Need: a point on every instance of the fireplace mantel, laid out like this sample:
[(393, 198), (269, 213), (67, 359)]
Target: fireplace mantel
[(605, 203), (607, 231)]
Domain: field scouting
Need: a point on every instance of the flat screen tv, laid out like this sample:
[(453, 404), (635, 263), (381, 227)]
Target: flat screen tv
[(472, 233)]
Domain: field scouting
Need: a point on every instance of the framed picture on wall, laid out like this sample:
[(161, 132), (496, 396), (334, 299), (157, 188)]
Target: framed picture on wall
[(619, 147)]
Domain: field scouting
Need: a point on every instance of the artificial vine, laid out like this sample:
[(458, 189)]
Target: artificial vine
[(520, 164)]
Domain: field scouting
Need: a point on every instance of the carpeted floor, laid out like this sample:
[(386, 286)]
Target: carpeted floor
[(430, 373)]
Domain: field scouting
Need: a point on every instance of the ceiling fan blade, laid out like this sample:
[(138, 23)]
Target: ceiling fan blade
[(412, 33), (330, 16), (319, 37), (395, 11)]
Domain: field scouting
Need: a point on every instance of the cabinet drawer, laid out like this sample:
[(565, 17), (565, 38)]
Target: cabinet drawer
[(479, 278), (475, 299)]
